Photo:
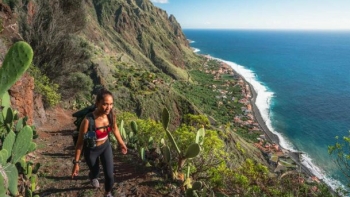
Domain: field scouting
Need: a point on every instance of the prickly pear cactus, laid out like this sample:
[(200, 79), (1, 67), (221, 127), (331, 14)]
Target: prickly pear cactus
[(22, 143), (12, 175), (5, 100), (165, 118), (122, 130), (166, 154), (134, 127), (165, 121), (17, 61), (8, 143), (192, 151), (200, 136), (173, 142), (2, 186), (17, 138)]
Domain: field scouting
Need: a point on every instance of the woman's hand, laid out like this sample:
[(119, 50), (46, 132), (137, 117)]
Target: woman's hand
[(75, 170), (124, 149)]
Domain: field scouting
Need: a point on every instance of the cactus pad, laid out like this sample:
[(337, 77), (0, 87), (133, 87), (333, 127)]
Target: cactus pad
[(200, 136), (142, 154), (192, 151), (4, 155), (165, 118), (172, 140), (16, 62), (5, 100), (22, 143), (134, 127), (32, 147), (19, 125), (166, 154), (12, 175), (2, 186), (9, 141)]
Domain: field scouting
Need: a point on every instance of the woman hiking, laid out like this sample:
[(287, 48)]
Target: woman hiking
[(98, 148)]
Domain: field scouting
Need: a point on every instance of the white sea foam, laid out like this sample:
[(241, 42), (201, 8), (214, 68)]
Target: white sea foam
[(263, 101), (191, 41), (319, 173), (195, 50)]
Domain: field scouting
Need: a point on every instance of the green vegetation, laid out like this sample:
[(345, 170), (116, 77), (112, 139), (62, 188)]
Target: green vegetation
[(59, 53), (214, 167), (45, 87), (15, 135), (341, 156), (135, 51), (17, 61), (217, 97)]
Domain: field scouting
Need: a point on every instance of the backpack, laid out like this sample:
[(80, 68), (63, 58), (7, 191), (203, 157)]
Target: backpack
[(80, 115)]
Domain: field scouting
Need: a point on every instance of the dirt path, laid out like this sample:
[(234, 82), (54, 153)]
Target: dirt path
[(56, 151)]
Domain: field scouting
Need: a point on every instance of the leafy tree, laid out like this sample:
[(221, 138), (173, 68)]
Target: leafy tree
[(340, 152)]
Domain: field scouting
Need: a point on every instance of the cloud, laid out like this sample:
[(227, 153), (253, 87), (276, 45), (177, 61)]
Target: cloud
[(160, 1)]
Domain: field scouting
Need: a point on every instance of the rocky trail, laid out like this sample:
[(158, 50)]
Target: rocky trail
[(55, 153)]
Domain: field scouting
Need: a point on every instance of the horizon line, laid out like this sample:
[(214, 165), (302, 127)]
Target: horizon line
[(264, 29)]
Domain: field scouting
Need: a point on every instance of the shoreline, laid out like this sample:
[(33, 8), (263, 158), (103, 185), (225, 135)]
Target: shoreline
[(294, 155), (270, 136)]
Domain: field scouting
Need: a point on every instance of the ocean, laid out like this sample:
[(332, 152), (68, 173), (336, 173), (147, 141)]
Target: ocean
[(303, 83)]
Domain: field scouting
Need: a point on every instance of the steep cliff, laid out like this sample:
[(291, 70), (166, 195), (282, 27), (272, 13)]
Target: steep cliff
[(129, 46)]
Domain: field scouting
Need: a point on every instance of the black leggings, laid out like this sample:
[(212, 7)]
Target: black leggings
[(104, 152)]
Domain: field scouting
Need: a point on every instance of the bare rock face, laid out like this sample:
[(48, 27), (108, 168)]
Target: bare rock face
[(22, 97), (26, 102), (39, 115)]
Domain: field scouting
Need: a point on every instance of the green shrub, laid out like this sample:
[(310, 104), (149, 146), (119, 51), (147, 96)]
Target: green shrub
[(150, 128), (79, 83), (196, 120), (210, 164), (212, 161), (45, 87)]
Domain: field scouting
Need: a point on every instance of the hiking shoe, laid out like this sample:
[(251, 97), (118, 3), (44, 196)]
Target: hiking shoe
[(109, 195), (95, 183)]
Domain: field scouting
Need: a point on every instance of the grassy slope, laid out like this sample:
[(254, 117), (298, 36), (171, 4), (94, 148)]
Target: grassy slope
[(124, 68)]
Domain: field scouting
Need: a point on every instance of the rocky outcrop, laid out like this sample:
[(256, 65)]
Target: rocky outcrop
[(23, 98), (146, 28), (22, 94)]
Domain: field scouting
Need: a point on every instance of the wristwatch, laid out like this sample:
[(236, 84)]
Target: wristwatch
[(75, 162)]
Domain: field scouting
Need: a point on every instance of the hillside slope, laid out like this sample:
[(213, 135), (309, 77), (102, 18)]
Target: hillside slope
[(129, 46)]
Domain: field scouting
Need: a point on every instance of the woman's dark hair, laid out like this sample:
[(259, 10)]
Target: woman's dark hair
[(99, 97)]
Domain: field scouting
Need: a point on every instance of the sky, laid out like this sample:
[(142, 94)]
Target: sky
[(259, 14)]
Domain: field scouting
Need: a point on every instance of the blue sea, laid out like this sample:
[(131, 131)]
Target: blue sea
[(303, 83)]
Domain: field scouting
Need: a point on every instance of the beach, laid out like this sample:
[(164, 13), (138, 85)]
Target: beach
[(272, 138), (296, 105)]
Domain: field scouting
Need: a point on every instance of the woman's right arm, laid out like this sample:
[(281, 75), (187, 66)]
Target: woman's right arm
[(78, 148)]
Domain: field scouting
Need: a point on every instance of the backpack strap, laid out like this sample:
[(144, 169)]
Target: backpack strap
[(91, 120)]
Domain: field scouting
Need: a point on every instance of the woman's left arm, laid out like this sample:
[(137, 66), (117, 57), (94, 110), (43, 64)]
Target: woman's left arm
[(119, 138)]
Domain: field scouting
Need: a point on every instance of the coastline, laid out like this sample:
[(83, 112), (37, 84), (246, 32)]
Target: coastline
[(273, 138), (269, 135)]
